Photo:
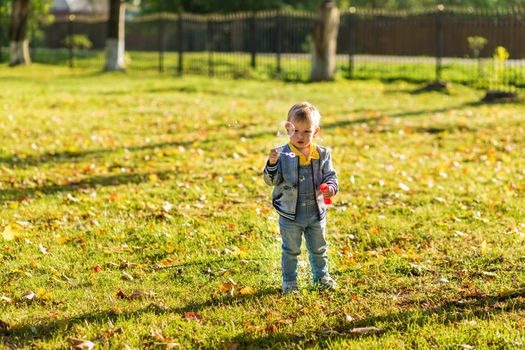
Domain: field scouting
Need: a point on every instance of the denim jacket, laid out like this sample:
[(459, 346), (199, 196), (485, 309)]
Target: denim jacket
[(284, 176)]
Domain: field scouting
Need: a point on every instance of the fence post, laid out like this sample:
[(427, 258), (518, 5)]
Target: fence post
[(71, 56), (1, 39), (161, 42), (279, 33), (440, 43), (253, 36), (209, 43), (351, 41), (180, 39)]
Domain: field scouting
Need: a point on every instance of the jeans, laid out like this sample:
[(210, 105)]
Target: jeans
[(307, 223)]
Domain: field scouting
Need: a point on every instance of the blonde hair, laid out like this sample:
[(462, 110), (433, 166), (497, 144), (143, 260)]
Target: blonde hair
[(305, 111)]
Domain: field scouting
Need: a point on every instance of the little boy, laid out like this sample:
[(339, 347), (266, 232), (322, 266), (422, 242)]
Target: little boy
[(297, 172)]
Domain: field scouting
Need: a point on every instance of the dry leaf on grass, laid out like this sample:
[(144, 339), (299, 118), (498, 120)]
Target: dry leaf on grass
[(366, 330), (80, 344), (29, 295), (163, 340), (5, 300), (190, 315)]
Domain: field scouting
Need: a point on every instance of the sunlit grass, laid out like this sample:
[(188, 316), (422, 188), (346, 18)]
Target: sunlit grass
[(134, 210)]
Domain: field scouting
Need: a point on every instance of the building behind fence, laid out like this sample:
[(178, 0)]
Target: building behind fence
[(416, 46)]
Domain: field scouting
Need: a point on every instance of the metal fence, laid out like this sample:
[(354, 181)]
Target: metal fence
[(416, 46)]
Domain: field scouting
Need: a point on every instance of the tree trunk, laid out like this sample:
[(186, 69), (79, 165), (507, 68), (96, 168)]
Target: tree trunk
[(325, 42), (115, 37), (18, 43)]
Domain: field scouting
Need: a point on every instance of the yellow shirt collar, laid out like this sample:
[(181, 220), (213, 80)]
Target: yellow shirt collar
[(304, 160)]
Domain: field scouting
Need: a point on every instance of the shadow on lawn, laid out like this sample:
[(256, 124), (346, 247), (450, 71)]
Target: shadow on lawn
[(89, 183), (450, 311), (70, 156), (406, 114), (26, 333)]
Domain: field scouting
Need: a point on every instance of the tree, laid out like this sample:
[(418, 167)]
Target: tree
[(115, 36), (325, 42), (18, 43)]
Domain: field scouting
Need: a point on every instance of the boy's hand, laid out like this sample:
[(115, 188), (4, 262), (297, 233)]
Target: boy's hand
[(328, 192), (273, 157)]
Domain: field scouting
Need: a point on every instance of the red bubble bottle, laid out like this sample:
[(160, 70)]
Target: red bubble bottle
[(324, 188)]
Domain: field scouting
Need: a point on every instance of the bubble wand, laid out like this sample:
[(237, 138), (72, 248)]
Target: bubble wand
[(323, 188)]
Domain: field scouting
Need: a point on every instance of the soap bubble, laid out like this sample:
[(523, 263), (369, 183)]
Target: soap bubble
[(285, 130)]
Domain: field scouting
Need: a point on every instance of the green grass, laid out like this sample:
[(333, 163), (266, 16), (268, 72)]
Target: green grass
[(114, 184)]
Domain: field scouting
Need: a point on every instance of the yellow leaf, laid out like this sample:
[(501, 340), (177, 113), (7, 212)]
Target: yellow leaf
[(43, 294), (485, 247), (8, 233), (247, 290), (228, 287), (62, 240), (153, 178)]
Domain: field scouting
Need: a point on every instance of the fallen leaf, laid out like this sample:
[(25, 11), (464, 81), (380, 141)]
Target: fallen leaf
[(404, 187), (228, 287), (5, 299), (271, 328), (29, 295), (165, 341), (190, 315), (167, 207), (366, 330), (247, 290), (42, 248), (122, 295), (8, 233), (288, 322), (71, 198), (43, 294), (485, 247), (80, 344), (126, 276), (139, 294), (153, 178)]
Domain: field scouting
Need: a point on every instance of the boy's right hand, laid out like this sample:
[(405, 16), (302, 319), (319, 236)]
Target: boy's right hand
[(273, 157)]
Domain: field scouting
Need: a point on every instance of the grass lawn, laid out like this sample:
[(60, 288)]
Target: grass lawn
[(134, 215)]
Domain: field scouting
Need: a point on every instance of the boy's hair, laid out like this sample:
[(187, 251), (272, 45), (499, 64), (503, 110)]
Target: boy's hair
[(305, 111)]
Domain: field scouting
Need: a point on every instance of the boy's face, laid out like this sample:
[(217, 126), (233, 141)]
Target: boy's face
[(304, 133)]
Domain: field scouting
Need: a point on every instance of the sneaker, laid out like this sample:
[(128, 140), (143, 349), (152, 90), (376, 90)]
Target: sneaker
[(290, 287), (327, 282)]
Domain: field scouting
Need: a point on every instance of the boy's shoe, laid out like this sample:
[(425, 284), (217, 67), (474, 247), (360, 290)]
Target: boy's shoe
[(327, 282), (290, 287)]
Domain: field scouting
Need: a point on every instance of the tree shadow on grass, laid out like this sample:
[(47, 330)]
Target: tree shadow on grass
[(89, 183), (71, 156), (24, 334), (405, 114), (450, 312)]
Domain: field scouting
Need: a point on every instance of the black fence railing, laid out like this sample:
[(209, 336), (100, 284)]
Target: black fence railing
[(416, 46)]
